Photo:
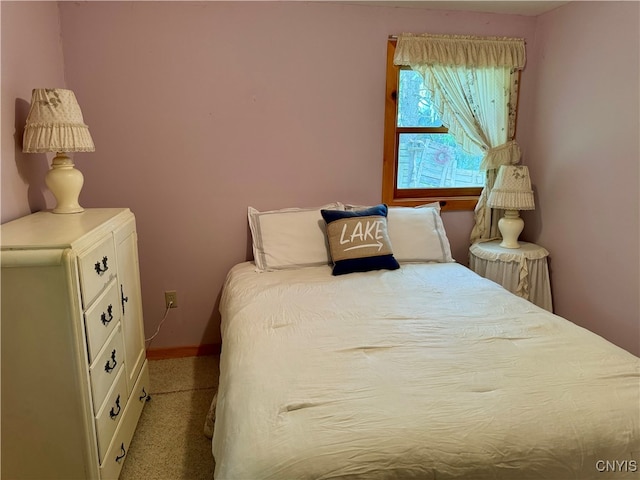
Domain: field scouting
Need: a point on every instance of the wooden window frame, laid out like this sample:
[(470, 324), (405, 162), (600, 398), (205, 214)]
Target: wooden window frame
[(449, 198)]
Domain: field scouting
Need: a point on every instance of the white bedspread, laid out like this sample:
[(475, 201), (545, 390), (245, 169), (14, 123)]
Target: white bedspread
[(427, 372)]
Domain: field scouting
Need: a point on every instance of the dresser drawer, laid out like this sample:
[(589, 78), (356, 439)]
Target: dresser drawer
[(111, 464), (110, 414), (101, 318), (106, 367), (97, 267)]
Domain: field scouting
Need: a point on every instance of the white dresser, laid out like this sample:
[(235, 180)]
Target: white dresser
[(74, 373)]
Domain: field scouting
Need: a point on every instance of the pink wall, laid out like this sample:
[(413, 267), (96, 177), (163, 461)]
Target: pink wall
[(584, 156), (200, 110), (31, 58)]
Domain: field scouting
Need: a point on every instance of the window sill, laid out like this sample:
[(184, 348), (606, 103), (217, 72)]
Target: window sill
[(446, 203)]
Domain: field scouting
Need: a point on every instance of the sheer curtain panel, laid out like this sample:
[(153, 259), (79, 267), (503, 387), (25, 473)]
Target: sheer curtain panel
[(473, 82)]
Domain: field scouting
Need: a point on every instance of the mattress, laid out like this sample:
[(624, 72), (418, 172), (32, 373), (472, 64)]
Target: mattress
[(429, 372)]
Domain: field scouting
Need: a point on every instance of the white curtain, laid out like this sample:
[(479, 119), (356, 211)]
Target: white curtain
[(474, 85)]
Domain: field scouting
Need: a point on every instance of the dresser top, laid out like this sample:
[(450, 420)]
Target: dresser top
[(55, 230)]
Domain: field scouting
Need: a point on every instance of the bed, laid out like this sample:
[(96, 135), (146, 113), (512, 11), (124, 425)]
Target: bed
[(424, 371)]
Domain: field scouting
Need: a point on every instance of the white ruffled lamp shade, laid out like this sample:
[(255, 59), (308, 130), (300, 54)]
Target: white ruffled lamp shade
[(512, 192), (55, 124)]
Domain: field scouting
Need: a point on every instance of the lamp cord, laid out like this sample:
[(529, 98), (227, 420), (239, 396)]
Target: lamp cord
[(166, 313)]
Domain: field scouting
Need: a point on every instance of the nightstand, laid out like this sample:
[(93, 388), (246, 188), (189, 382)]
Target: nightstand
[(523, 271)]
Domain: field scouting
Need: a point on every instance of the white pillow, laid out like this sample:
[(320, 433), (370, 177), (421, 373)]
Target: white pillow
[(290, 237), (418, 235), (349, 206)]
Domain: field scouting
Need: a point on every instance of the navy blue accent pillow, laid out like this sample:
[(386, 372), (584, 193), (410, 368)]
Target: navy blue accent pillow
[(358, 240)]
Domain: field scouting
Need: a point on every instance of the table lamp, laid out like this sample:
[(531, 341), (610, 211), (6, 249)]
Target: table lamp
[(55, 124), (511, 192)]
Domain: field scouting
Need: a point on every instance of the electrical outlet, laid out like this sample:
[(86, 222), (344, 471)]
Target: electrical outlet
[(171, 299)]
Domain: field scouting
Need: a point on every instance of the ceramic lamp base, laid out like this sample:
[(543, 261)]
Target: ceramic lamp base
[(510, 226), (65, 182)]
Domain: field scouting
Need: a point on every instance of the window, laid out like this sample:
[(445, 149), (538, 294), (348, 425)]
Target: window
[(422, 162)]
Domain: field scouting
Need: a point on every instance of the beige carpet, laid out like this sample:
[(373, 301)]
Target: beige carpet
[(169, 443)]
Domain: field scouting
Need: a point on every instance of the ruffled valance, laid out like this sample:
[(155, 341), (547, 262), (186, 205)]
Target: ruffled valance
[(506, 154), (427, 49)]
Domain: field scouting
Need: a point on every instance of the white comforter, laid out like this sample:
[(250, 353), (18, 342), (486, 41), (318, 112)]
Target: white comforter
[(426, 372)]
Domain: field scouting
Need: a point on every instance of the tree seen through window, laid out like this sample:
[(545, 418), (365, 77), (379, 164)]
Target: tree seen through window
[(428, 157)]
